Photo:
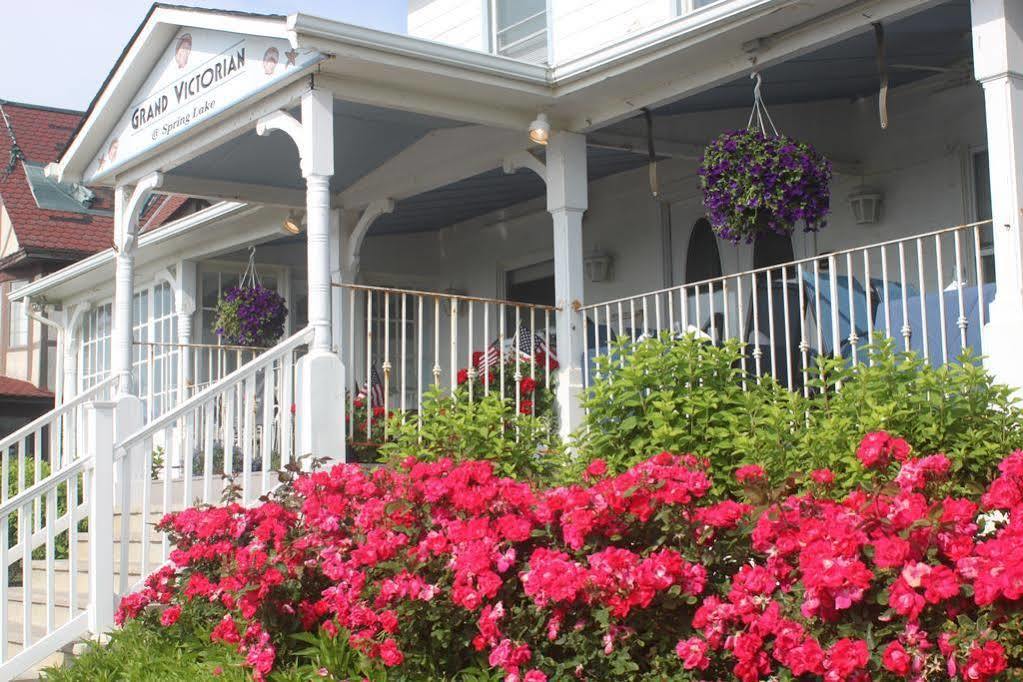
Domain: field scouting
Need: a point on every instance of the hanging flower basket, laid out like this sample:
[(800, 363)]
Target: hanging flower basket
[(756, 181), (250, 314), (753, 183)]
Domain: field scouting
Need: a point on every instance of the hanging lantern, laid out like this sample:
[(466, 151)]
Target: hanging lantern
[(865, 203)]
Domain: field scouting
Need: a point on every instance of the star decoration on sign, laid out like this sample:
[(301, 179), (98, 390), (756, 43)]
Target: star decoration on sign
[(291, 56)]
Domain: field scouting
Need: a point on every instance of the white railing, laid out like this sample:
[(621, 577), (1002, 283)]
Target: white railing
[(412, 341), (927, 292), (168, 373), (49, 442), (237, 432), (44, 548)]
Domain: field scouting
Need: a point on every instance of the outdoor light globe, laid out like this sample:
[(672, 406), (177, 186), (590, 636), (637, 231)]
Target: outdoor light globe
[(540, 129), (293, 223)]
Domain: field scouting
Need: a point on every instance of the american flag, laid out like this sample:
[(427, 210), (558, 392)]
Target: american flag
[(376, 389), (525, 342)]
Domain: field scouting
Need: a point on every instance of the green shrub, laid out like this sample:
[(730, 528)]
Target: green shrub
[(686, 395), (519, 445)]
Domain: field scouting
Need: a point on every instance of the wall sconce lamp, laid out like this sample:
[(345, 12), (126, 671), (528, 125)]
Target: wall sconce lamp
[(598, 267), (865, 203)]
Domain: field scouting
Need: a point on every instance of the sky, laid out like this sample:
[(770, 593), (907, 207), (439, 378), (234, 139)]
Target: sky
[(57, 52)]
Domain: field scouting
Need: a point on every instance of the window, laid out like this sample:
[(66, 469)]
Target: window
[(520, 29), (95, 350), (982, 204), (19, 321), (154, 356)]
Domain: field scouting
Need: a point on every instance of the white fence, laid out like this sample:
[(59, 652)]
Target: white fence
[(41, 513), (399, 343), (927, 292)]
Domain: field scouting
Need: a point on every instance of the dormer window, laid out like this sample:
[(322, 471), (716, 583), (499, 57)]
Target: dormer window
[(520, 29)]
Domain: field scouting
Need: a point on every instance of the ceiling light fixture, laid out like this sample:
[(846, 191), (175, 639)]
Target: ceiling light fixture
[(540, 129), (293, 223)]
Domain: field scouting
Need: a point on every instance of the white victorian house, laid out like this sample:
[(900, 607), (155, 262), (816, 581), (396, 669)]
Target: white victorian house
[(505, 166)]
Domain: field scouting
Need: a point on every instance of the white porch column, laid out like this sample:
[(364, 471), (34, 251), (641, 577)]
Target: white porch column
[(124, 288), (184, 306), (566, 202), (998, 64), (127, 204), (321, 375)]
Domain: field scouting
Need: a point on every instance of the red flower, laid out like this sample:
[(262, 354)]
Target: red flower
[(526, 386), (463, 376), (596, 468), (390, 654), (749, 473), (877, 449), (984, 662), (170, 615), (896, 660), (526, 407), (823, 476)]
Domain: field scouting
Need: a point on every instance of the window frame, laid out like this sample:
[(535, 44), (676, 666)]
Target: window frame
[(12, 307), (495, 31)]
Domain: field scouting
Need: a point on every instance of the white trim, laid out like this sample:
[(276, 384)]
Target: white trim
[(167, 232)]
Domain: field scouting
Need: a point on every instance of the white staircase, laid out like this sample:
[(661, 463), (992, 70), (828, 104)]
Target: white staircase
[(88, 525)]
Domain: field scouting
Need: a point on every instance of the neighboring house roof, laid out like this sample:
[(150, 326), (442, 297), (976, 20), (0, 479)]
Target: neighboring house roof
[(30, 137), (22, 390), (51, 220)]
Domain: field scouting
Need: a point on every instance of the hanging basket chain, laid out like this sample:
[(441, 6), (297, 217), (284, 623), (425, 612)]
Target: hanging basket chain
[(760, 112)]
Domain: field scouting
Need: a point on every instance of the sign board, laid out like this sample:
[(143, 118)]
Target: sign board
[(201, 74)]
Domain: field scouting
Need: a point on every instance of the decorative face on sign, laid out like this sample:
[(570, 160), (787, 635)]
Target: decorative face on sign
[(183, 50), (270, 60), (112, 151)]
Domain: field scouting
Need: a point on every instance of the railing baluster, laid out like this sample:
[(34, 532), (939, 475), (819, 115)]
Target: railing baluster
[(850, 282), (979, 264), (469, 369), (51, 558), (804, 344), (208, 438), (742, 328), (756, 327), (404, 353), (710, 305), (962, 322), (906, 330), (923, 297), (453, 343), (939, 269), (385, 364), (770, 323), (868, 285), (26, 576), (788, 329)]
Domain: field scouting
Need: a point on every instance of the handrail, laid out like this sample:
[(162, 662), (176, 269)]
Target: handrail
[(56, 412), (441, 294), (209, 346), (45, 485), (788, 264), (232, 379)]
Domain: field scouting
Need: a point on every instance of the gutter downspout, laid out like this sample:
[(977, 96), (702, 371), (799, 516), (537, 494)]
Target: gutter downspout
[(58, 381)]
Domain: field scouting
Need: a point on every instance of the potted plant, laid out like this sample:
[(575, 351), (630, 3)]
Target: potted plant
[(756, 181), (250, 314)]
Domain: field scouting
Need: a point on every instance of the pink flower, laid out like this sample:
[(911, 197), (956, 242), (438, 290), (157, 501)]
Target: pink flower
[(693, 652)]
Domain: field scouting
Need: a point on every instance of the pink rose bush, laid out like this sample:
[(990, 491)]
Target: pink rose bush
[(430, 568)]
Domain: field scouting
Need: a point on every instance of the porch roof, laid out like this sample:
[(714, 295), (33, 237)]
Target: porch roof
[(440, 85)]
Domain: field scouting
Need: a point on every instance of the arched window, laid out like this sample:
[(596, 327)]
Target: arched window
[(702, 258)]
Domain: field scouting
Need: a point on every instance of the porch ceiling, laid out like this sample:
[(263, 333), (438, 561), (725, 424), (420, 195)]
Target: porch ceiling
[(486, 192), (364, 137), (935, 38)]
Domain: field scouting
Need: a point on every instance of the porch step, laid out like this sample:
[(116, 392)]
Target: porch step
[(38, 607)]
